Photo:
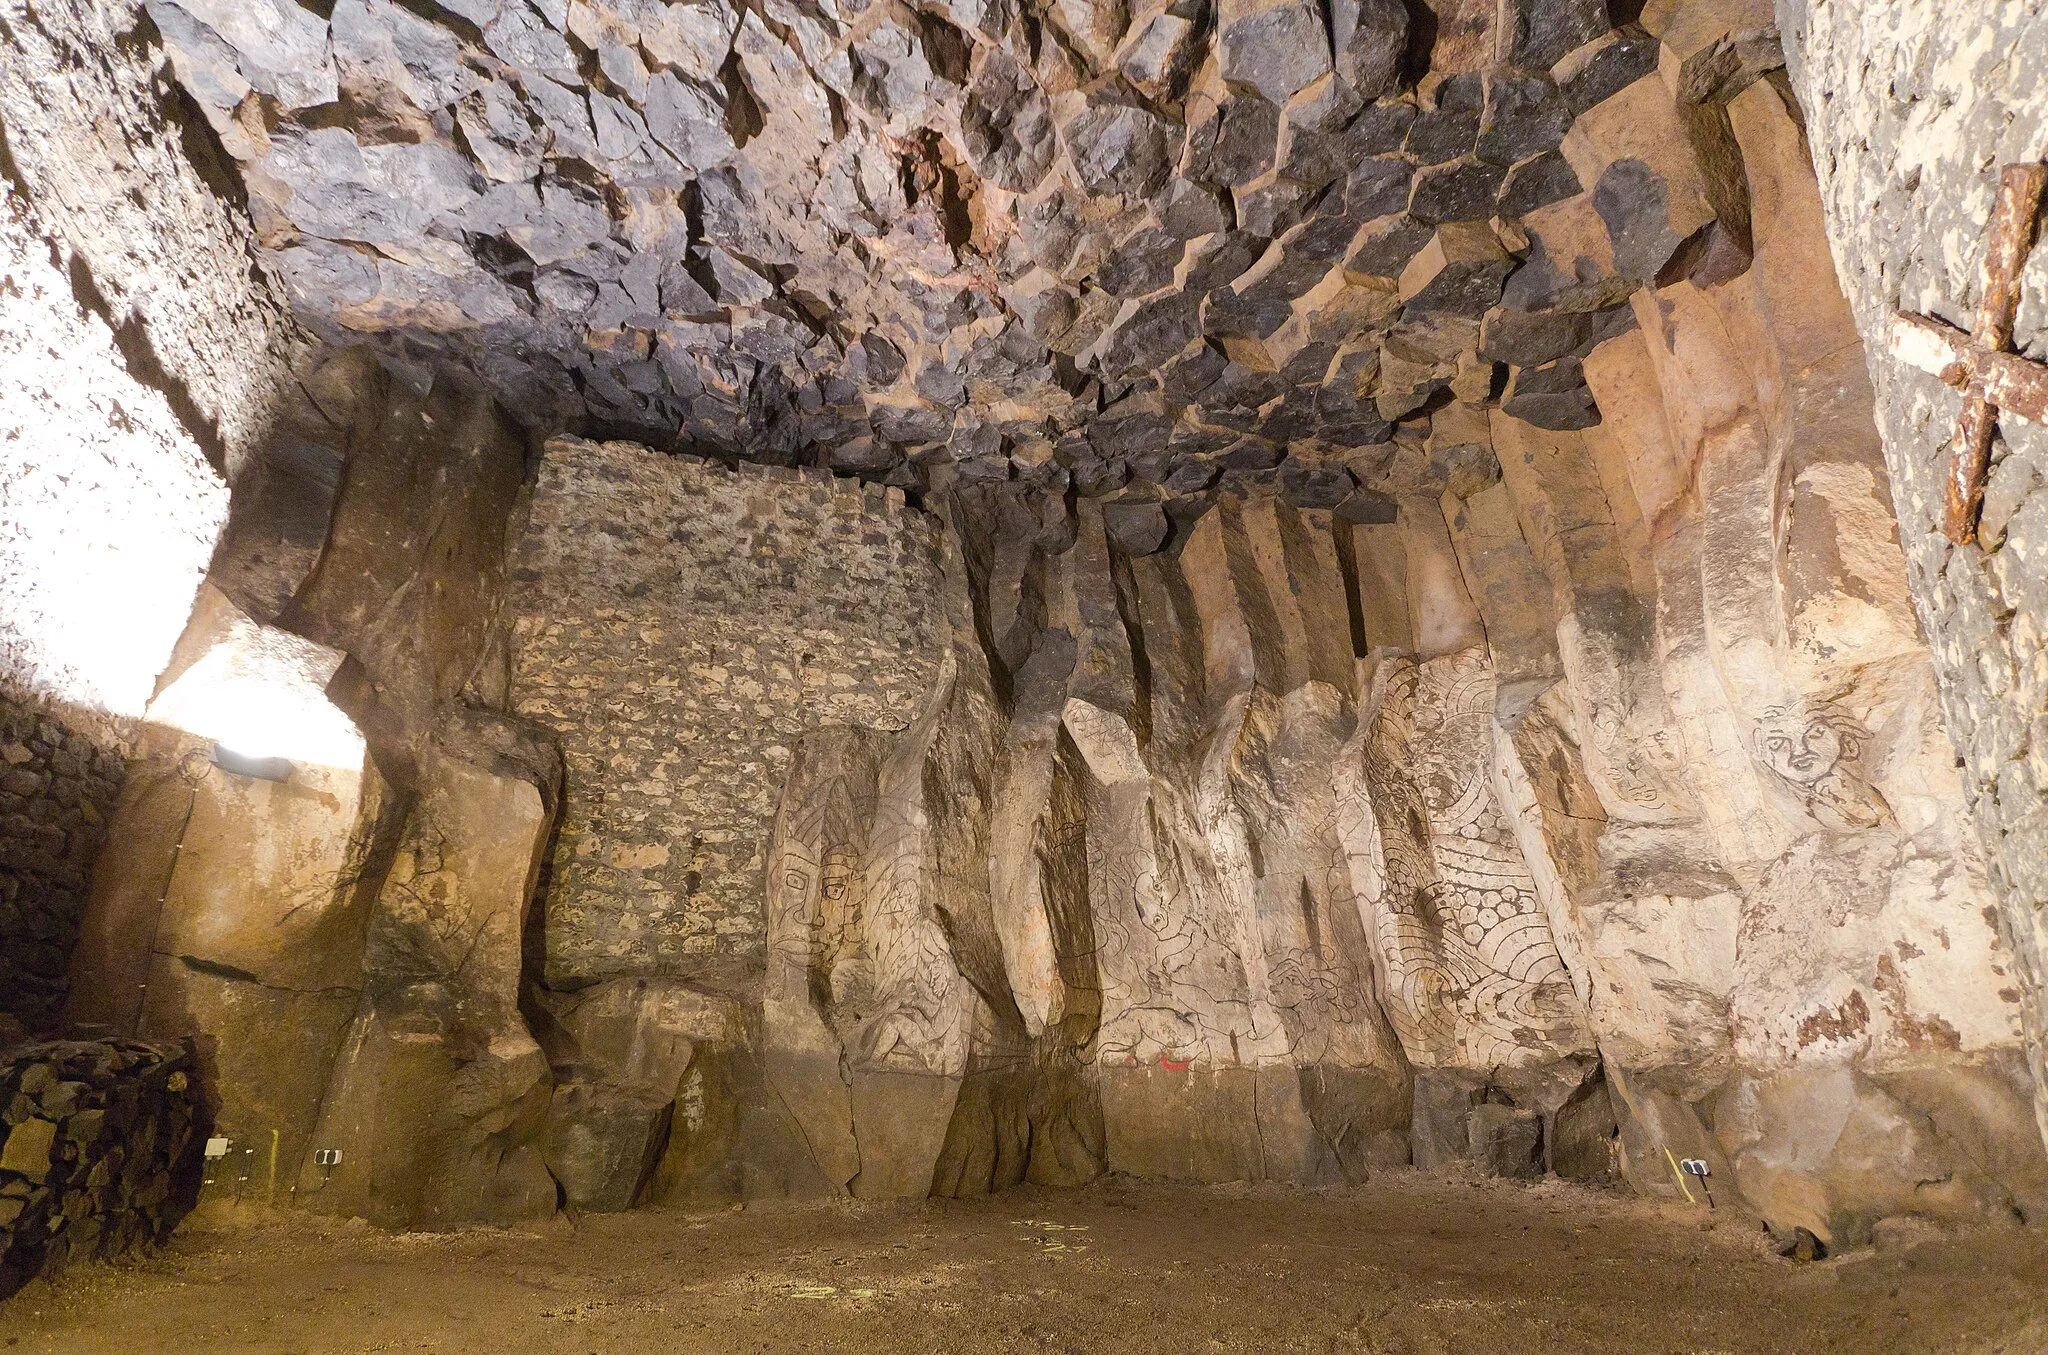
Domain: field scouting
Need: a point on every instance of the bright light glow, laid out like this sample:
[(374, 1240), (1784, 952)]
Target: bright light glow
[(108, 511), (258, 690)]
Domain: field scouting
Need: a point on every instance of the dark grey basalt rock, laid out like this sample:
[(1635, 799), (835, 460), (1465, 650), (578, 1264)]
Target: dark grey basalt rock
[(1606, 66), (1464, 191), (1120, 148), (1525, 116), (1537, 182), (1007, 125), (1275, 47), (1530, 339), (1370, 39), (1553, 396), (1539, 33), (684, 221)]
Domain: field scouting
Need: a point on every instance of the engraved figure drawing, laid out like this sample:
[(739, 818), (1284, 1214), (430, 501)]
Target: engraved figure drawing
[(1472, 975)]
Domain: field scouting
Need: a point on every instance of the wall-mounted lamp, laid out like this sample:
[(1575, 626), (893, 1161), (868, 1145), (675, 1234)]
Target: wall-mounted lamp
[(256, 768)]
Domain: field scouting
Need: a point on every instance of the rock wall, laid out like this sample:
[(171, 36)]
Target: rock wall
[(102, 1154), (1087, 242), (1784, 903), (1403, 656), (1170, 784), (111, 509), (682, 626), (147, 215), (228, 904), (56, 791), (337, 914), (110, 514), (1910, 116)]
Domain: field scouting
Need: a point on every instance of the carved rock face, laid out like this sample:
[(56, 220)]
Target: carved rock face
[(1373, 632)]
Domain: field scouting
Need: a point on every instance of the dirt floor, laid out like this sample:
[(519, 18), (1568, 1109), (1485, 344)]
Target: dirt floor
[(1406, 1264)]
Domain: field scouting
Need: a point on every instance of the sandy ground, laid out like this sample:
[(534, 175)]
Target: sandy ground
[(1406, 1264)]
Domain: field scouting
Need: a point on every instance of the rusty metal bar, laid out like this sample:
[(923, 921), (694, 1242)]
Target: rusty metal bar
[(2011, 383), (1998, 298)]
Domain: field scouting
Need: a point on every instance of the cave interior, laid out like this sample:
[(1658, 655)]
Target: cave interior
[(616, 604)]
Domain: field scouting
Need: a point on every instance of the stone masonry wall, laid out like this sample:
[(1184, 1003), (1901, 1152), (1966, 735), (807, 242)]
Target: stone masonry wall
[(56, 787), (1910, 115), (681, 626)]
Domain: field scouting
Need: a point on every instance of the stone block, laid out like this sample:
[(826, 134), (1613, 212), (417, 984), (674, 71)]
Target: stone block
[(1365, 1115), (1552, 396), (1467, 36), (1275, 47), (115, 1168), (1159, 50), (1649, 183), (1116, 147), (1464, 190), (1531, 338), (603, 1144), (1458, 273), (1525, 115), (1212, 1125), (1579, 1139), (1440, 1131), (1713, 50), (1137, 527), (1370, 39), (1536, 34), (1505, 1141), (641, 1033), (28, 1148), (1605, 66)]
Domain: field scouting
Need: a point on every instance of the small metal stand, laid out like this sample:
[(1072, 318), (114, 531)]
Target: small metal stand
[(1697, 1167), (326, 1159)]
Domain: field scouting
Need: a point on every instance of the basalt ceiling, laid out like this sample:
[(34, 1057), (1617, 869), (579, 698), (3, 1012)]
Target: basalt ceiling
[(1062, 242)]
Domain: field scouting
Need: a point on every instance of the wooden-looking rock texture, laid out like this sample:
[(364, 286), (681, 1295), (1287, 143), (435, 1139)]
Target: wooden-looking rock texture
[(102, 1153)]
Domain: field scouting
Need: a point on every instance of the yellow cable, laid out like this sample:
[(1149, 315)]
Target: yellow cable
[(1680, 1175), (271, 1196)]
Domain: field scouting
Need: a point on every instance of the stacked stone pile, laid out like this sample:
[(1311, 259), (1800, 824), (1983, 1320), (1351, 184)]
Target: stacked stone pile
[(102, 1152), (56, 787)]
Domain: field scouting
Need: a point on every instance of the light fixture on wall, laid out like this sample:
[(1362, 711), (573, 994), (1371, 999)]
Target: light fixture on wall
[(247, 764)]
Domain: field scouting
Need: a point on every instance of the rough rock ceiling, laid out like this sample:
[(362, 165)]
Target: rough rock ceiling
[(1064, 242)]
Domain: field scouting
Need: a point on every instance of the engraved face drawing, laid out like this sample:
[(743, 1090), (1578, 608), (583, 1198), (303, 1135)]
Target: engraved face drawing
[(1801, 751), (839, 868), (1817, 750)]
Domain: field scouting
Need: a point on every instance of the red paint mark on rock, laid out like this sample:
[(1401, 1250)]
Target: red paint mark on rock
[(1848, 1020)]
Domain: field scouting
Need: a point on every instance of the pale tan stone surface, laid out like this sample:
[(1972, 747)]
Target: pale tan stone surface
[(439, 1089), (230, 905)]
